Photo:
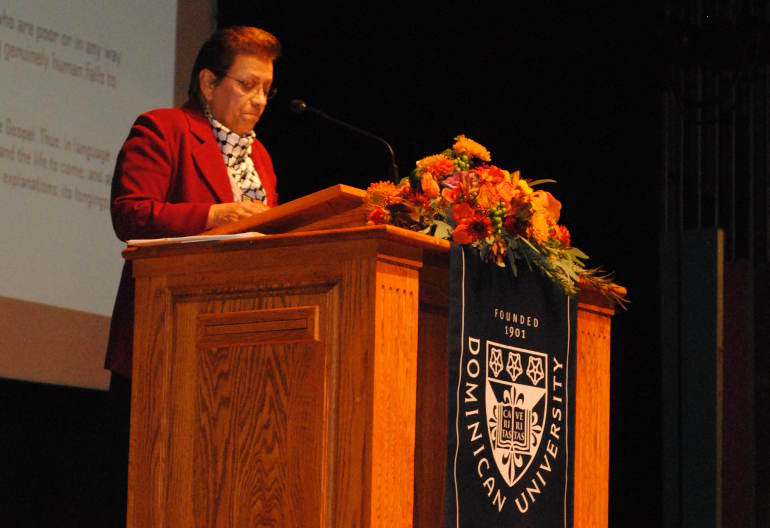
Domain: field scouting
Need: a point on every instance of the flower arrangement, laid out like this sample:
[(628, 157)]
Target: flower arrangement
[(460, 195)]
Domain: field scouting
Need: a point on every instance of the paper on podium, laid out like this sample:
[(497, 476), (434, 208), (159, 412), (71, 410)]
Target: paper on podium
[(141, 242)]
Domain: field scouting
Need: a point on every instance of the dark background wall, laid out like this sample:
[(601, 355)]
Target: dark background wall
[(570, 92)]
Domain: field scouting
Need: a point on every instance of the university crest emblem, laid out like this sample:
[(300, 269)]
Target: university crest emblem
[(516, 406)]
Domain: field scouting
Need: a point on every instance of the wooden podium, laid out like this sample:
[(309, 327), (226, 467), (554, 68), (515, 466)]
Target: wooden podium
[(300, 379)]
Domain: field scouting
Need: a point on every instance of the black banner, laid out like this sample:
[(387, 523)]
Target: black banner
[(511, 397)]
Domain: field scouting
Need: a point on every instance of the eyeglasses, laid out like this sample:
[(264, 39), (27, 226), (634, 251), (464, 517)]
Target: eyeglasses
[(252, 87)]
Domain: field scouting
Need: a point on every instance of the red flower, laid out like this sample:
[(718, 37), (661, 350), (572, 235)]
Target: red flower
[(491, 174), (472, 228), (418, 199), (514, 226), (378, 215), (461, 211), (562, 235)]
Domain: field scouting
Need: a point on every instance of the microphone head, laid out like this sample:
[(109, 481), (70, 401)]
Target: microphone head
[(297, 106)]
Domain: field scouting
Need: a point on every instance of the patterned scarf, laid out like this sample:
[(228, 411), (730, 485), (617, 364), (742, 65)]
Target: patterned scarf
[(236, 151)]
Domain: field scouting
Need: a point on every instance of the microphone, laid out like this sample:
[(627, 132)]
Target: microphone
[(298, 106)]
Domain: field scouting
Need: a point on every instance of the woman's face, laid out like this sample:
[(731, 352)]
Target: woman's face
[(239, 98)]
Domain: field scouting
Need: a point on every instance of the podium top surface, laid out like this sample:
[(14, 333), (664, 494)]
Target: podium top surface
[(296, 238)]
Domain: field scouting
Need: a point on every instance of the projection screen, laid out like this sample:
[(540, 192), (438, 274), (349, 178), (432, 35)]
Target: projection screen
[(73, 77)]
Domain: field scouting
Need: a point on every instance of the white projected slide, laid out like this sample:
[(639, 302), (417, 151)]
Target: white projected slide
[(73, 77)]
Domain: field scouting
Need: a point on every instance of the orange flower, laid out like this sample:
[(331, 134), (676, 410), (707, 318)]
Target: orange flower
[(384, 187), (487, 197), (429, 185), (384, 192), (450, 195), (539, 227), (438, 165), (470, 148), (473, 228), (545, 201), (506, 191)]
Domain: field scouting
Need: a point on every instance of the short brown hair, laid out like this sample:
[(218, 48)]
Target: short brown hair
[(219, 51)]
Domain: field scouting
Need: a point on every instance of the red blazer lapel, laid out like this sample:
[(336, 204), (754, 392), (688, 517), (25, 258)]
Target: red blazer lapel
[(206, 154)]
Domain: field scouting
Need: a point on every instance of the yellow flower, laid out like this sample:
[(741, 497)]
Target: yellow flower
[(438, 165), (523, 185), (470, 148)]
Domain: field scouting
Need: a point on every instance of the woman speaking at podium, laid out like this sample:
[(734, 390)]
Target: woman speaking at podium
[(184, 170)]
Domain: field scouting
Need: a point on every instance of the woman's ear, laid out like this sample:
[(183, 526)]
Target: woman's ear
[(208, 81)]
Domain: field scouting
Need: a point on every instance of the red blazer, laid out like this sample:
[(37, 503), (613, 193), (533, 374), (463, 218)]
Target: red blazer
[(168, 173)]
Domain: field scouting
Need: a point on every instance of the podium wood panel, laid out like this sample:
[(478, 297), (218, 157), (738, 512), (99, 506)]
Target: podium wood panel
[(592, 416), (265, 395), (432, 392)]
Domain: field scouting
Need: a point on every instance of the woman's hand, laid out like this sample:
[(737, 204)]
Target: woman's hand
[(225, 213)]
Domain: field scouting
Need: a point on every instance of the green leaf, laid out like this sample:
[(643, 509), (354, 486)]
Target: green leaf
[(576, 252), (512, 261), (443, 230), (483, 250), (538, 182)]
